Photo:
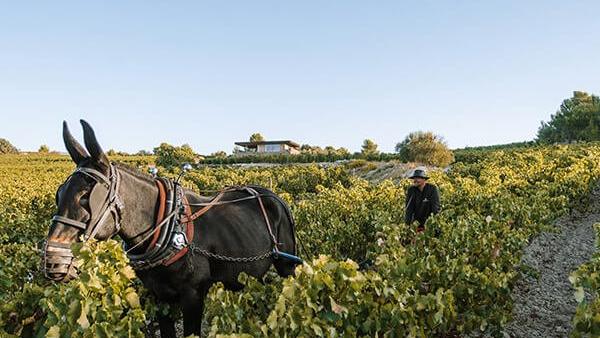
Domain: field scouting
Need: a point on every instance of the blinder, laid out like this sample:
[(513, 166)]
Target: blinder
[(97, 201)]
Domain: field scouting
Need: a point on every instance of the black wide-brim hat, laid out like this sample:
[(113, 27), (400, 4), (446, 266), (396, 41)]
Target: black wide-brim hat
[(420, 173)]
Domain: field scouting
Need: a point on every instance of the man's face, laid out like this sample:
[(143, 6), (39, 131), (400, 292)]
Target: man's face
[(417, 181)]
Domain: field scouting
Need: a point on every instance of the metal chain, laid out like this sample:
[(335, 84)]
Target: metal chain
[(216, 256)]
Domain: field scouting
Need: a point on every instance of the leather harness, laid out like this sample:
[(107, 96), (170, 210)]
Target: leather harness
[(170, 239)]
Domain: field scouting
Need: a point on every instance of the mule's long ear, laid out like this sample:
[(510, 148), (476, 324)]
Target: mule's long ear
[(77, 152), (92, 145)]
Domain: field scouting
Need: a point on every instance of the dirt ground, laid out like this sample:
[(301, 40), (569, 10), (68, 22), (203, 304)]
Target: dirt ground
[(544, 298)]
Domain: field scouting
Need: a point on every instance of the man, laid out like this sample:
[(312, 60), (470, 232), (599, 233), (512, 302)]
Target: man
[(422, 200)]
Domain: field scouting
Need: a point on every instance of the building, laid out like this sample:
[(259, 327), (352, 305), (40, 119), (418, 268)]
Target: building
[(269, 147)]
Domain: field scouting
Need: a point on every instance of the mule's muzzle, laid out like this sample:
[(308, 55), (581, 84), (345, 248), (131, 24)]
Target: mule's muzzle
[(59, 263)]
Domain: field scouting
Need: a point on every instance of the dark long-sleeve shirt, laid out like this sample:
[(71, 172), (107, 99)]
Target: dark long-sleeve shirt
[(421, 204)]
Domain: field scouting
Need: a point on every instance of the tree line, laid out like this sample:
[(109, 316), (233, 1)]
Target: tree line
[(576, 120)]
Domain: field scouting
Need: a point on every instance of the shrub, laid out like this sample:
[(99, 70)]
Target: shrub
[(6, 147), (170, 156), (43, 149), (426, 148)]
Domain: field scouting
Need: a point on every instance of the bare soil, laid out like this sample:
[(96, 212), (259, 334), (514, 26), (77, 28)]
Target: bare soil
[(544, 298)]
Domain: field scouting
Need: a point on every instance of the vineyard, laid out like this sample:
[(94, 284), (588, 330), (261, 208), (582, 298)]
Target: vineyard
[(366, 274)]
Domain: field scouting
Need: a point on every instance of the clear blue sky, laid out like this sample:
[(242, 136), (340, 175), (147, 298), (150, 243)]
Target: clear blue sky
[(318, 72)]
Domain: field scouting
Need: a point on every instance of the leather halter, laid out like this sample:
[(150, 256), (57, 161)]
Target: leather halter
[(110, 203), (58, 257)]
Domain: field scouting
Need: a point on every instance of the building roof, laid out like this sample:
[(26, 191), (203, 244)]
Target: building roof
[(256, 144)]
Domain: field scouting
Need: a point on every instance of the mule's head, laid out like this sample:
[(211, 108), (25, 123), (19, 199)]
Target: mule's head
[(83, 204)]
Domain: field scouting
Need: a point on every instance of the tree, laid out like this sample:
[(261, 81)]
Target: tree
[(6, 147), (143, 152), (426, 148), (256, 137), (577, 119), (336, 152), (343, 152), (112, 152), (171, 156), (44, 149), (369, 147), (329, 153), (312, 150), (219, 154)]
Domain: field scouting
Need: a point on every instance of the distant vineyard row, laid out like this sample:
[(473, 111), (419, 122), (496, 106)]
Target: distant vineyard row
[(453, 279)]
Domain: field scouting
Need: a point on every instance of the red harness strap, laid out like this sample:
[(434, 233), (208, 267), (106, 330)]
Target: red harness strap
[(162, 201), (188, 219), (191, 217)]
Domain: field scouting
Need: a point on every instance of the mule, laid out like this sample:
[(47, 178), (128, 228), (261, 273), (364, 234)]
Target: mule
[(244, 229)]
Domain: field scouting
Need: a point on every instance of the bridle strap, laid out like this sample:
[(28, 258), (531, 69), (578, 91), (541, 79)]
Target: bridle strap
[(101, 220), (68, 221), (58, 258), (96, 175), (112, 204)]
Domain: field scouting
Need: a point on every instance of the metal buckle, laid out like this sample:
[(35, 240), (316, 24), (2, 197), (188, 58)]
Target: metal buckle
[(179, 240)]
